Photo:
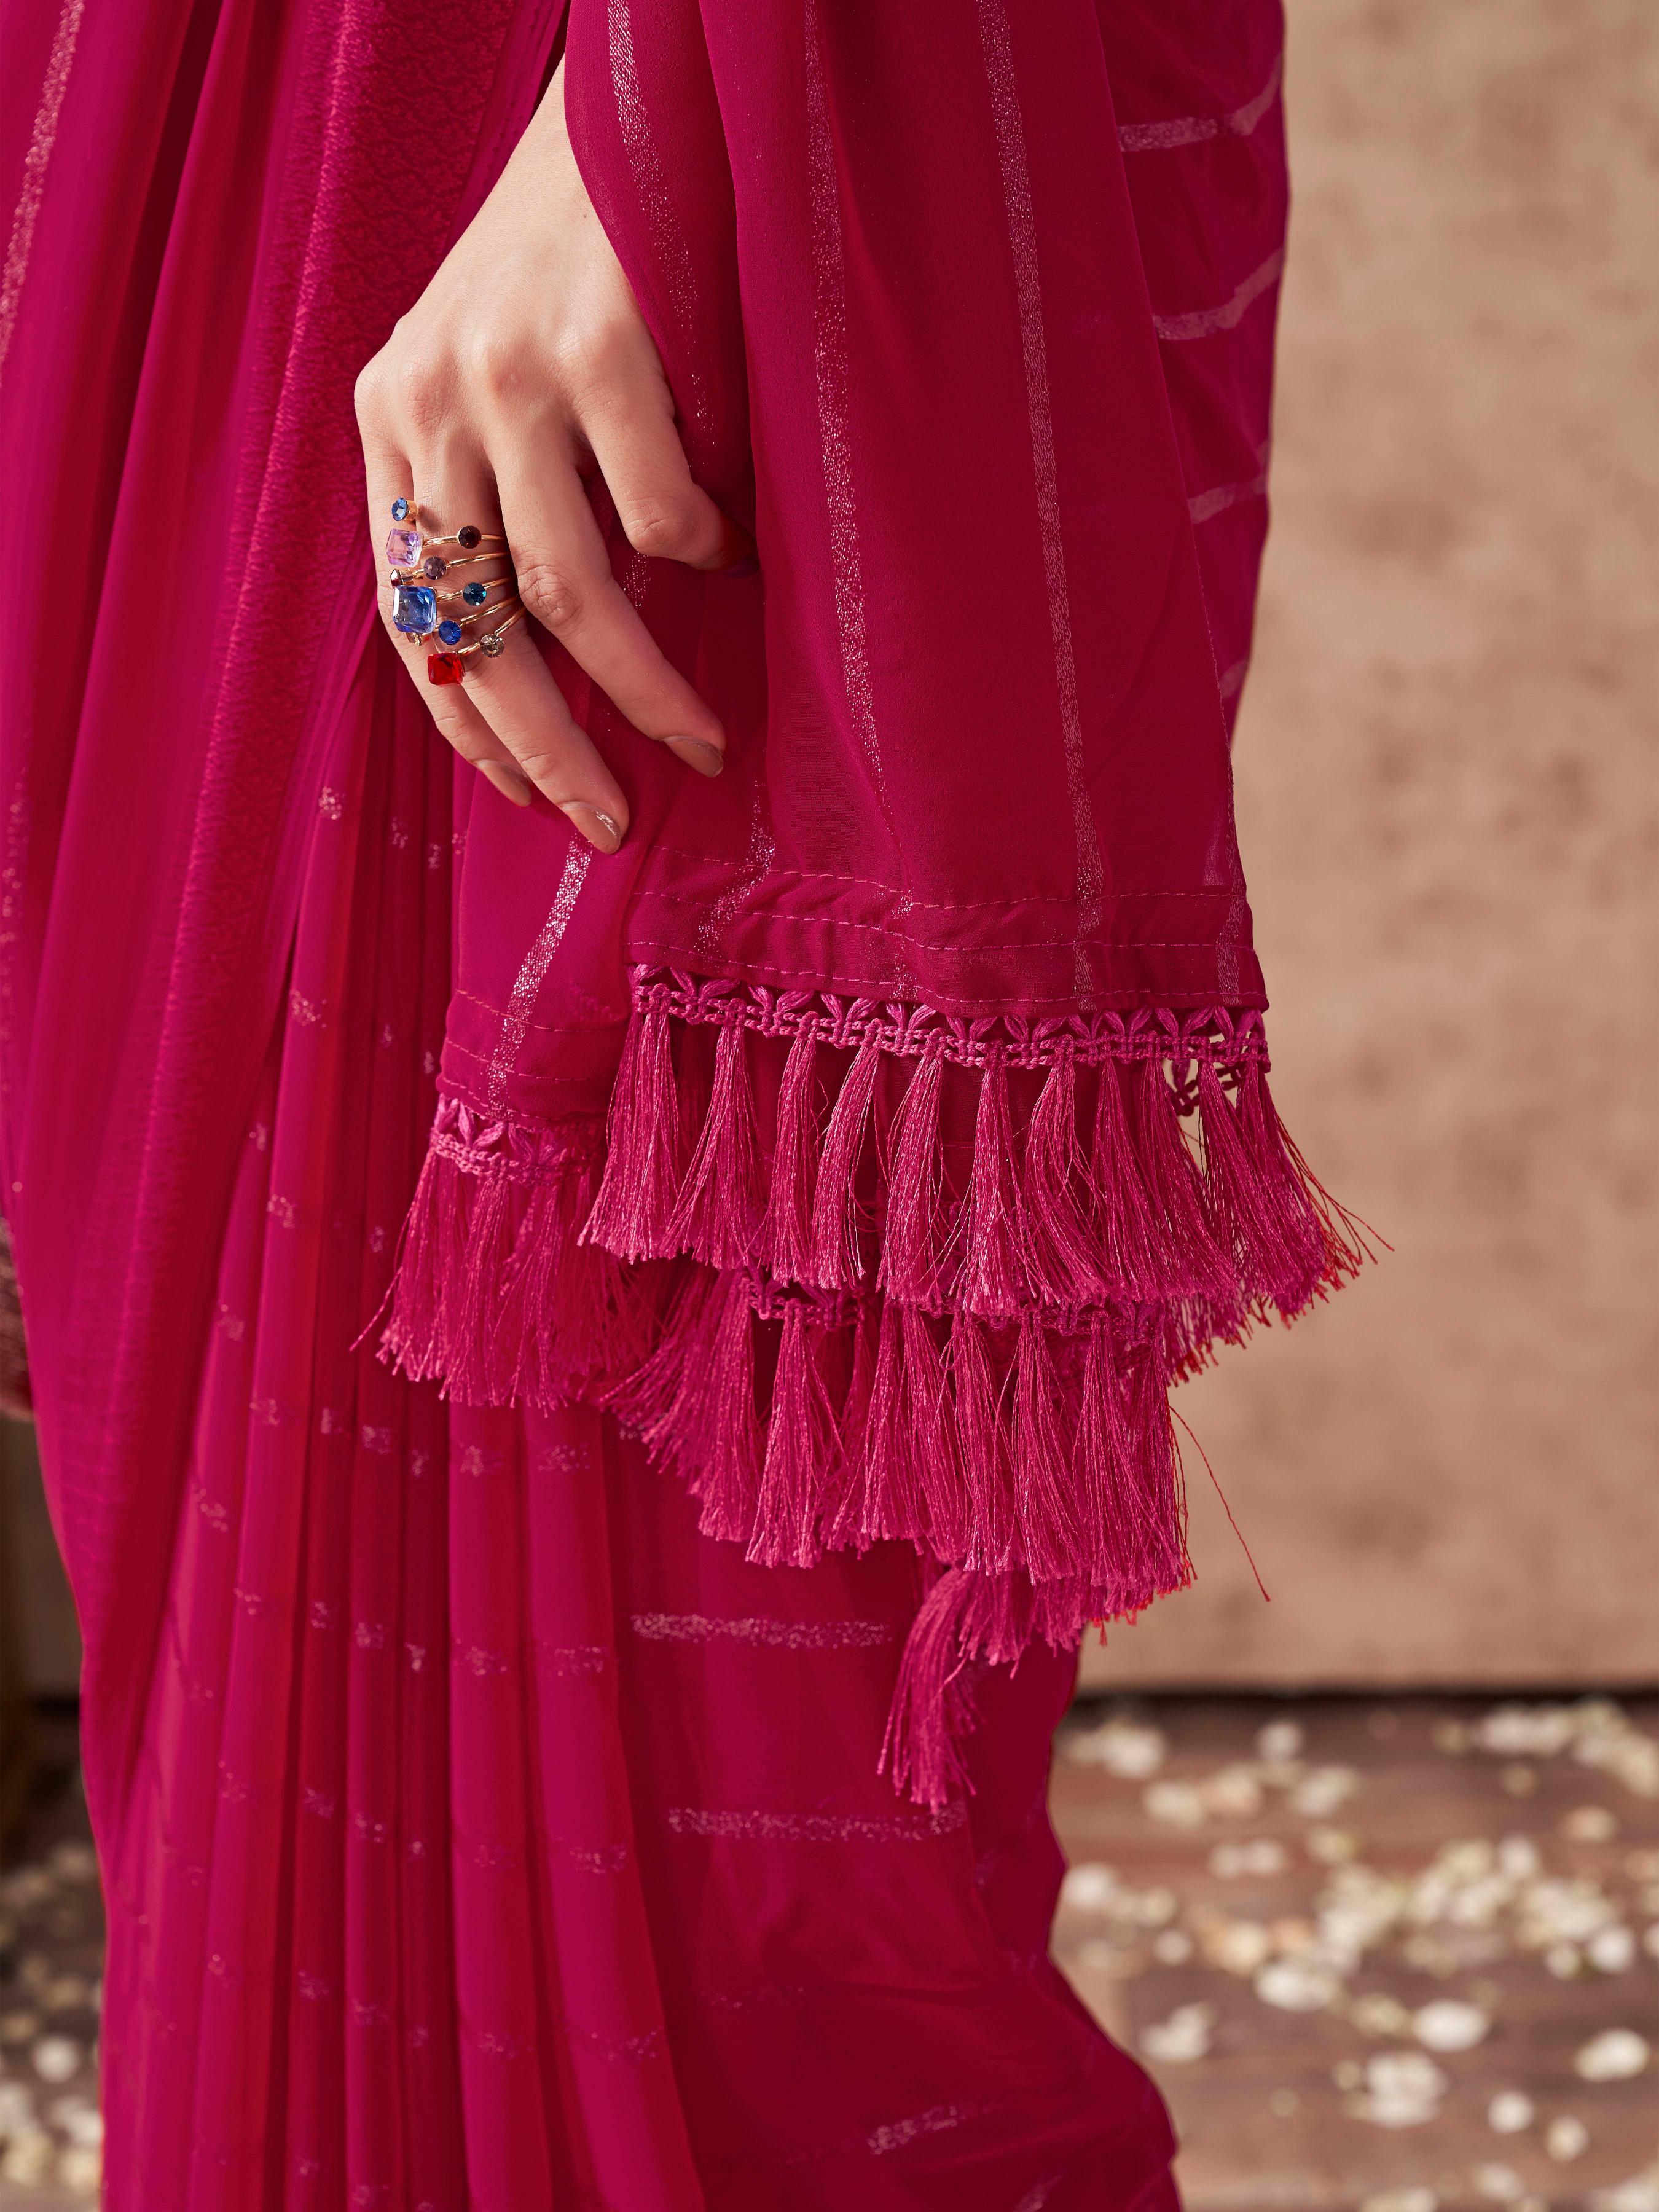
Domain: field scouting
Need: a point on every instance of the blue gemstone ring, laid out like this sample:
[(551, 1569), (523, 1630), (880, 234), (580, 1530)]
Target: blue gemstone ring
[(487, 605)]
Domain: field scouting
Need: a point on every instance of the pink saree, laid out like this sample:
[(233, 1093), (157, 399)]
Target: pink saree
[(483, 1729)]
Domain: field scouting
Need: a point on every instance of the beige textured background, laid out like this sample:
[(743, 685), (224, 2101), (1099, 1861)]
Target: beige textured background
[(1446, 782), (1446, 785)]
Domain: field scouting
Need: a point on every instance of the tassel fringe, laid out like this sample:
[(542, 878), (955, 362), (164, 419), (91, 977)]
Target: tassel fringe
[(943, 1309)]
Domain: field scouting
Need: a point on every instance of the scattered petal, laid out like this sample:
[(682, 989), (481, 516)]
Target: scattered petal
[(1403, 2089), (1297, 1985), (1402, 2200), (1510, 2112), (1567, 2138), (1448, 2024), (1260, 1856), (1333, 1846), (1378, 2014), (1183, 2037), (1173, 1947), (1280, 1739), (1589, 1824), (1618, 2054), (1088, 1888), (1612, 1950), (57, 2058), (1176, 1804), (1128, 1748), (1319, 1793), (1501, 2183)]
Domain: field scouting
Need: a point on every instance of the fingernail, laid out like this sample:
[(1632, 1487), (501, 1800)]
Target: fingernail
[(707, 759), (507, 780), (599, 829)]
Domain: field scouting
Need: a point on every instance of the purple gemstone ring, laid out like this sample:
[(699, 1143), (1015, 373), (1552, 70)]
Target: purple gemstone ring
[(416, 569)]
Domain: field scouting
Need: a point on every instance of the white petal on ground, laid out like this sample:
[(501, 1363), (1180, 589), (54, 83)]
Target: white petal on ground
[(1261, 1855), (1618, 2054), (1450, 2025), (1333, 1846), (1378, 2014), (1589, 1824), (1403, 2089), (57, 2058), (81, 2169), (1088, 1888), (1176, 1804), (1402, 2200), (1509, 2111), (1172, 1947), (1233, 1792), (1319, 1793), (1183, 2037), (1612, 1950), (29, 2159), (1297, 1985), (1129, 1750), (1280, 1739), (1640, 2194), (1500, 2183), (1567, 2138)]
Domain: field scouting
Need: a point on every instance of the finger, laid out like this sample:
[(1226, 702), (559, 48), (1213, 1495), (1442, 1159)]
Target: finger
[(565, 580), (512, 694), (664, 513), (391, 482)]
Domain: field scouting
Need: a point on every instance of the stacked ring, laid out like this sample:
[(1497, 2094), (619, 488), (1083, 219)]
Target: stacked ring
[(418, 569)]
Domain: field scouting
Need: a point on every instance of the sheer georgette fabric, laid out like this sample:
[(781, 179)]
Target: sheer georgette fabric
[(477, 1831)]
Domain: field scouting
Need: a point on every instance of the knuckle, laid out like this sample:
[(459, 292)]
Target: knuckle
[(494, 361), (423, 382), (551, 592), (662, 533)]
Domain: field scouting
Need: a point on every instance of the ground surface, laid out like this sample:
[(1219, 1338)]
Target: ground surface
[(1402, 1956)]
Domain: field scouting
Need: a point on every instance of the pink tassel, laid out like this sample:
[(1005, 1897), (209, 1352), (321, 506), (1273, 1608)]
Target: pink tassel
[(1050, 1542), (1257, 1210), (692, 1402), (1064, 1266), (1124, 1224), (884, 1500), (993, 1279), (982, 1437), (785, 1246), (932, 1702), (646, 1152), (719, 1202), (913, 1243), (1154, 1463), (1138, 1553), (1342, 1234), (800, 1446), (1190, 1263), (837, 1253), (945, 1517)]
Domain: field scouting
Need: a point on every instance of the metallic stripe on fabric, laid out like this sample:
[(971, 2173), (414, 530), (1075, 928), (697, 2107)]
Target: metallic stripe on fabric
[(35, 164), (831, 361), (1194, 129), (791, 1635), (1205, 504), (1204, 322), (1022, 240), (814, 1827), (651, 183), (515, 1022)]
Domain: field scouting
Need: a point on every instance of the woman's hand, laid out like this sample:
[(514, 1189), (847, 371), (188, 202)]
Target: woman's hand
[(524, 364)]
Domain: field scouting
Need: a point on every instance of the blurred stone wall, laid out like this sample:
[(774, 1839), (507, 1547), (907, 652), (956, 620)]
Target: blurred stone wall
[(1446, 784)]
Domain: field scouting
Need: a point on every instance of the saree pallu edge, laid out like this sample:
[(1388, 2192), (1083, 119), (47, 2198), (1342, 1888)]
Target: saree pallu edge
[(888, 1226)]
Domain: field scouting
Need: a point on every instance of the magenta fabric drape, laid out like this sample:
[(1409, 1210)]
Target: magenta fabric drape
[(434, 1878)]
